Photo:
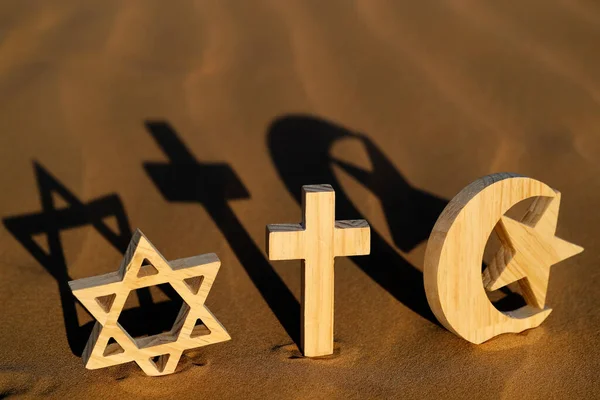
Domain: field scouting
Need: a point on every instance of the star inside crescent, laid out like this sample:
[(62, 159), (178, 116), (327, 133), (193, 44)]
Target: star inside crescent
[(528, 249), (104, 297)]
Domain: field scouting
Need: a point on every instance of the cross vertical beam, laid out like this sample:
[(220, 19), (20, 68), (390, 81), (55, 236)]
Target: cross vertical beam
[(317, 240)]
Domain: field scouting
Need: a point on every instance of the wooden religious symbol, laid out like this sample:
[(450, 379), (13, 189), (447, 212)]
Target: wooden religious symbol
[(317, 240), (454, 283), (143, 266)]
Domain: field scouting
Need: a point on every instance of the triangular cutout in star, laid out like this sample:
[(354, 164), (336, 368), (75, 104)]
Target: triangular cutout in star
[(111, 222), (194, 283), (106, 302), (160, 362), (147, 269), (58, 200), (41, 240), (199, 329), (112, 348)]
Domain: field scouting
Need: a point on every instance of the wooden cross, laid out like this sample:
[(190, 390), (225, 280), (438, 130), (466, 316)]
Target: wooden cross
[(317, 240)]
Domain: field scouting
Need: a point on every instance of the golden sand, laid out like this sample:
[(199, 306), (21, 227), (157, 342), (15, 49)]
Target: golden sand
[(199, 121)]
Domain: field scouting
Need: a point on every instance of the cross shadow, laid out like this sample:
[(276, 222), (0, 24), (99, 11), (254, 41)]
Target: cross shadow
[(50, 221), (185, 179), (300, 148)]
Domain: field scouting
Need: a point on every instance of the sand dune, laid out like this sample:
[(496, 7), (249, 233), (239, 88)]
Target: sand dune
[(271, 95)]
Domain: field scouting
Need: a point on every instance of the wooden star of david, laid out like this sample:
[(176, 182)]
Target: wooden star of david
[(104, 296)]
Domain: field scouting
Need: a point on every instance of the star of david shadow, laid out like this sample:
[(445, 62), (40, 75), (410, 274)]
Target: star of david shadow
[(183, 178), (53, 220), (300, 148)]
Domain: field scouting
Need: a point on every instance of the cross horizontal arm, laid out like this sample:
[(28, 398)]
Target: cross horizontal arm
[(285, 241), (352, 238)]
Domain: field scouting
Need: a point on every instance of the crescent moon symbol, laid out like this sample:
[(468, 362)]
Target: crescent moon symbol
[(452, 274)]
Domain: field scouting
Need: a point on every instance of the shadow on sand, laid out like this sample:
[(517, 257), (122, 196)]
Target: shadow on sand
[(185, 179), (300, 147), (50, 221)]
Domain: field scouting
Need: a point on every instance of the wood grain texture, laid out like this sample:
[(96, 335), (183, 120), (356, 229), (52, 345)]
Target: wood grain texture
[(317, 240), (104, 296), (454, 283)]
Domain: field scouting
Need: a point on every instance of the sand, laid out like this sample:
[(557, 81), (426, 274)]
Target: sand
[(198, 122)]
